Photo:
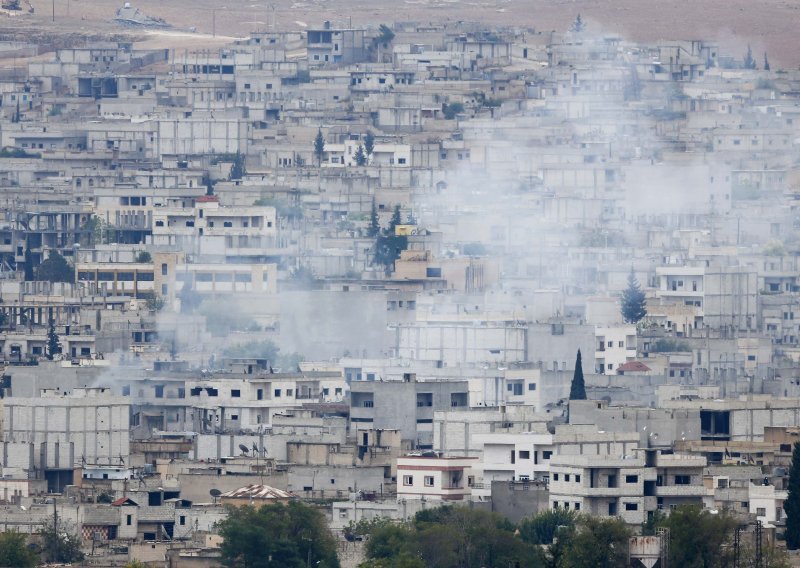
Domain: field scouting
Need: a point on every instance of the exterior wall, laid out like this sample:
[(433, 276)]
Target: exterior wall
[(66, 429), (433, 478), (615, 346)]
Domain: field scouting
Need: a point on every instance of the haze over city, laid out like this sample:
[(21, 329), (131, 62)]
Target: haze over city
[(431, 283)]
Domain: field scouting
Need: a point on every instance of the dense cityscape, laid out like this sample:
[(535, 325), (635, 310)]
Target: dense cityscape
[(403, 295)]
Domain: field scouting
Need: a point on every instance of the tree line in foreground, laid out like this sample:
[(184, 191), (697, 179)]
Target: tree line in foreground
[(296, 535)]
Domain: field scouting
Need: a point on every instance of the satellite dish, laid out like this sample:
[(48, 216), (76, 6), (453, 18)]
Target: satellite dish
[(215, 493), (244, 448)]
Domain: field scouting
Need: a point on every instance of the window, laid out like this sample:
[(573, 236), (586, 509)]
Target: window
[(164, 269), (236, 393), (566, 477), (546, 454), (761, 512), (555, 477), (368, 404), (682, 480), (182, 519), (531, 386), (631, 506), (577, 506), (428, 481), (408, 480), (277, 393), (129, 520), (577, 478), (260, 394), (159, 391), (631, 479), (524, 455)]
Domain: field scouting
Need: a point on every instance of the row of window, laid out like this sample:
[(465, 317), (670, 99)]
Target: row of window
[(516, 388), (568, 477), (235, 393), (118, 276), (408, 480)]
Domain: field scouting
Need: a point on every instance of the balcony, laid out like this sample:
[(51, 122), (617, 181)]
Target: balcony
[(681, 491)]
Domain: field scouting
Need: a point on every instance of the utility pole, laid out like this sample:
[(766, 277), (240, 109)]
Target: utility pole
[(54, 545), (54, 10)]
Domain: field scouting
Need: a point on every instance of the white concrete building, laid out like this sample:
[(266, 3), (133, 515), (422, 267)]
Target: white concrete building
[(435, 478), (766, 502), (60, 431), (523, 456), (616, 345)]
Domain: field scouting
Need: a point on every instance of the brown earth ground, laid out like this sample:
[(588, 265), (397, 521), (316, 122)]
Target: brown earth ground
[(768, 25)]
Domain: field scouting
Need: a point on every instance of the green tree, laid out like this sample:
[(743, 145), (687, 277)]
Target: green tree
[(360, 156), (60, 542), (596, 543), (577, 390), (389, 245), (374, 221), (542, 527), (792, 504), (55, 269), (53, 344), (293, 535), (450, 111), (319, 146), (14, 551), (452, 536), (155, 304), (402, 560), (633, 303), (369, 143), (238, 170), (390, 541), (144, 257), (766, 62), (699, 539), (578, 25), (749, 61), (397, 219)]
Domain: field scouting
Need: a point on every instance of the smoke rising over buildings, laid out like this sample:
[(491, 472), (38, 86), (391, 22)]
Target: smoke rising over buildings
[(316, 263)]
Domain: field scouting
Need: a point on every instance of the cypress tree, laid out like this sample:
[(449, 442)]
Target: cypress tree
[(792, 504), (577, 390), (53, 344), (319, 146), (369, 143), (374, 222), (634, 305), (360, 156)]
